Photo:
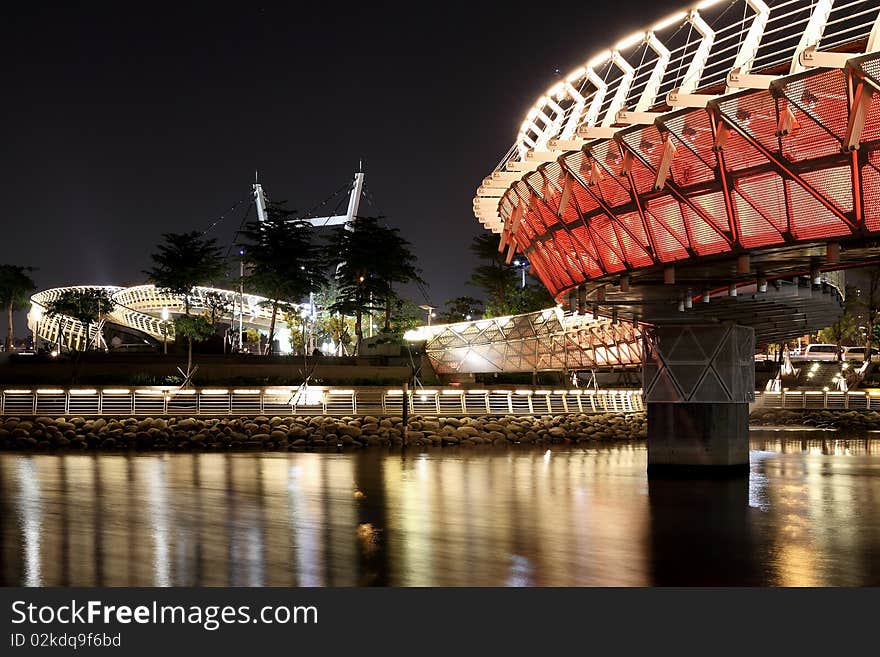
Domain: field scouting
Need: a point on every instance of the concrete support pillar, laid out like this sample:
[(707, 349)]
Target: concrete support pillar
[(697, 381)]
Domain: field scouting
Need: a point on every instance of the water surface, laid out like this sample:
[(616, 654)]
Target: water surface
[(808, 514)]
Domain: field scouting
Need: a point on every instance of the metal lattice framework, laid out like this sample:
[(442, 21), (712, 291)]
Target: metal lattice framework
[(138, 308), (739, 127), (533, 342)]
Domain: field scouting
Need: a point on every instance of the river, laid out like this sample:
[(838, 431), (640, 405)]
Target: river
[(807, 515)]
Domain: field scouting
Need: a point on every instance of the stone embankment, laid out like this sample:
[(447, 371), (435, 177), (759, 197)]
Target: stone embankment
[(301, 432), (845, 421)]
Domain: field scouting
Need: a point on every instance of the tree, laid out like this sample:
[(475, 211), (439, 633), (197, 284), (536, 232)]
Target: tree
[(86, 305), (283, 264), (461, 309), (845, 329), (218, 304), (870, 301), (407, 316), (501, 283), (338, 329), (16, 287), (369, 260), (183, 261), (195, 328)]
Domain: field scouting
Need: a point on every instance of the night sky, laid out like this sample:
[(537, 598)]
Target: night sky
[(124, 121)]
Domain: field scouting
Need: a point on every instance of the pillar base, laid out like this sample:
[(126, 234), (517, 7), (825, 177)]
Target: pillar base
[(698, 439)]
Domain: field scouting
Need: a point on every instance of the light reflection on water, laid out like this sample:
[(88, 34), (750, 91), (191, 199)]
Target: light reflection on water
[(809, 514)]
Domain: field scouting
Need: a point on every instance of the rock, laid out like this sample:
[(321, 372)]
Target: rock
[(348, 430)]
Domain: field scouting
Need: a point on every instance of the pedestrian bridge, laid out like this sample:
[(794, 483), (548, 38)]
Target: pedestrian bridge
[(727, 147), (139, 308)]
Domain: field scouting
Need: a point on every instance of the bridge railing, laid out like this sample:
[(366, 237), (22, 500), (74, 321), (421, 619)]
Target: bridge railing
[(817, 399), (314, 400)]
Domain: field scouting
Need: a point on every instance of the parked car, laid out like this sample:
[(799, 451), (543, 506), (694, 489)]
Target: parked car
[(858, 353), (820, 352)]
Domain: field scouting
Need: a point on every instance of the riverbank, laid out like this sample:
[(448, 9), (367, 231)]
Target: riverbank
[(303, 432), (840, 420)]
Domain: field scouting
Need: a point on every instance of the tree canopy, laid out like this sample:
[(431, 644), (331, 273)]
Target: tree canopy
[(16, 287), (282, 261), (501, 283), (369, 259), (184, 260), (86, 305), (461, 309)]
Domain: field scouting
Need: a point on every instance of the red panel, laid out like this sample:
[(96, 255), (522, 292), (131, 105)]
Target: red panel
[(605, 236), (756, 114), (706, 239), (556, 262), (756, 229), (586, 251), (811, 219), (570, 212), (694, 159), (871, 130), (823, 98), (585, 202), (740, 154), (550, 271), (569, 254), (766, 193), (636, 249), (668, 247), (809, 140), (834, 184), (543, 272), (529, 226), (871, 190), (613, 188)]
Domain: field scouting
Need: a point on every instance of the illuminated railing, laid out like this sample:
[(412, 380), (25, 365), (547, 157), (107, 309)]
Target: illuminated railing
[(712, 46), (314, 400), (817, 399)]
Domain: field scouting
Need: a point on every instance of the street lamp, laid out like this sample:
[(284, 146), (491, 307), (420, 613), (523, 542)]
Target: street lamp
[(165, 330), (429, 309), (241, 302), (37, 315), (523, 265)]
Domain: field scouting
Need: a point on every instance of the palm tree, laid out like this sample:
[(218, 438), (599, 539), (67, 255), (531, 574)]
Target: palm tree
[(16, 287)]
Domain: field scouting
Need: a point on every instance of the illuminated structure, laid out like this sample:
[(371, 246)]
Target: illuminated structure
[(691, 174), (534, 342), (140, 309)]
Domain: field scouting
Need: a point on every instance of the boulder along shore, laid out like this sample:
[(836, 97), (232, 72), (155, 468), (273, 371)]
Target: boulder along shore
[(305, 432), (841, 420)]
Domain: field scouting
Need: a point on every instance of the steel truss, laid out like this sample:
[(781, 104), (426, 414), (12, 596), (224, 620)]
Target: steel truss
[(533, 342)]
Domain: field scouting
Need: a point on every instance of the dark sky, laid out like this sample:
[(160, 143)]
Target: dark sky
[(127, 120)]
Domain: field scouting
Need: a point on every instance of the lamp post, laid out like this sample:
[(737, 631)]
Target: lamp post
[(38, 315), (165, 330), (241, 302), (523, 265), (429, 310)]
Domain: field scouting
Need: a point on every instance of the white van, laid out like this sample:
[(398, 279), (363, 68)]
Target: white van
[(820, 352), (858, 353)]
